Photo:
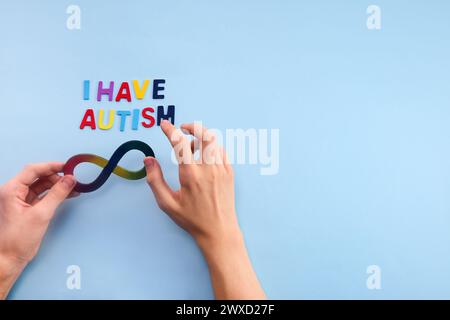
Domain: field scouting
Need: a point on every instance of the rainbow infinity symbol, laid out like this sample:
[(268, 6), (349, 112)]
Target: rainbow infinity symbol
[(109, 166)]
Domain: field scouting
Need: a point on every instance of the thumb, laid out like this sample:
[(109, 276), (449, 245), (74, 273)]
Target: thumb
[(164, 195), (57, 194)]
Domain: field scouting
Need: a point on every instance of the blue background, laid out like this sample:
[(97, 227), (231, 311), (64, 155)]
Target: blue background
[(364, 160)]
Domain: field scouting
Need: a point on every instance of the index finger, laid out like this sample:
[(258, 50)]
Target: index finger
[(179, 142), (34, 171)]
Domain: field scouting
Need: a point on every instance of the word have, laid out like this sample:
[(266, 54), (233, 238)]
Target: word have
[(124, 91), (137, 117)]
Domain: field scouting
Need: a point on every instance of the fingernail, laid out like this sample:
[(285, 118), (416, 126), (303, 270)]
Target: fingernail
[(68, 182), (149, 161)]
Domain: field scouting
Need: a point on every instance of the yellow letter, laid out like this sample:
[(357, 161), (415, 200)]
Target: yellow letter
[(110, 121), (140, 93)]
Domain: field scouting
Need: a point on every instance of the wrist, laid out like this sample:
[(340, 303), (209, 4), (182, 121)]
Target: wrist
[(10, 269), (230, 269), (227, 242)]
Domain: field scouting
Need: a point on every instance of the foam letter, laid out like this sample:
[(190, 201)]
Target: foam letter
[(157, 88), (135, 122), (150, 118), (110, 120), (86, 84), (123, 114), (88, 119), (101, 91), (170, 114), (140, 92), (124, 95)]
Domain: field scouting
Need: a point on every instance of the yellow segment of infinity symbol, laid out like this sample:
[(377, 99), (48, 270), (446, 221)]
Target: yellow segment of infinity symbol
[(118, 170)]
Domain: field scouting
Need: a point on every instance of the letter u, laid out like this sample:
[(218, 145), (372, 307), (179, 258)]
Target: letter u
[(108, 126)]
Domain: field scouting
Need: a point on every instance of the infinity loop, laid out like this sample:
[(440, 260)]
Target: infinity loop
[(109, 166)]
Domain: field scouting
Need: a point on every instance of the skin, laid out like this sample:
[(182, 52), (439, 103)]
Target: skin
[(203, 206), (27, 204)]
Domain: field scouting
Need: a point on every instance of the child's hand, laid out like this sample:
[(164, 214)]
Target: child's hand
[(25, 213), (204, 206)]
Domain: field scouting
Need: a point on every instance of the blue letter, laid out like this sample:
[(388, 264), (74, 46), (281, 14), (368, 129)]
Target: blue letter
[(157, 88), (170, 114), (123, 114)]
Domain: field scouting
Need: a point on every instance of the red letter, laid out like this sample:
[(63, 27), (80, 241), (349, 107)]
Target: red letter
[(150, 118), (121, 95), (88, 119)]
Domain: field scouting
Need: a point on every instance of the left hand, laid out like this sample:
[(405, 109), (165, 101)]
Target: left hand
[(27, 204)]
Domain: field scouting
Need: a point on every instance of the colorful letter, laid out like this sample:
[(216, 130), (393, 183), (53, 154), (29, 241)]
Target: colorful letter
[(135, 121), (108, 126), (88, 119), (157, 88), (170, 114), (123, 114), (86, 84), (150, 118), (124, 92), (140, 92), (109, 91)]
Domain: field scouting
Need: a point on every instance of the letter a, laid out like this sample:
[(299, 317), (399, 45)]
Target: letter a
[(74, 20), (74, 279), (374, 20), (374, 280)]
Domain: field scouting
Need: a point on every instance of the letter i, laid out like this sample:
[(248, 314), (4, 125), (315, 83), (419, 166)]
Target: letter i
[(86, 84), (135, 122)]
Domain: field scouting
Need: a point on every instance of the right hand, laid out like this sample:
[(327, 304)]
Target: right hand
[(204, 205)]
